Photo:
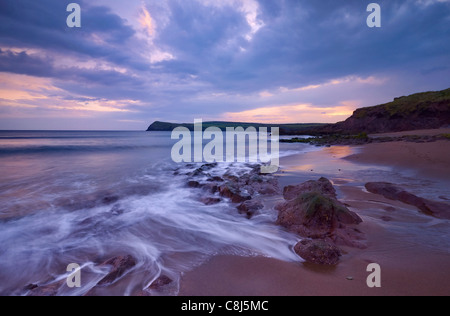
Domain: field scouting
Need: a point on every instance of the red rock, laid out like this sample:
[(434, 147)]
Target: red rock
[(120, 266), (194, 184), (393, 192), (250, 208), (45, 290), (318, 252), (210, 201), (314, 215), (160, 282), (322, 186), (231, 193)]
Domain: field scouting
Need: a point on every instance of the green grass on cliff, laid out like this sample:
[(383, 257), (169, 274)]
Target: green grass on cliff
[(405, 106)]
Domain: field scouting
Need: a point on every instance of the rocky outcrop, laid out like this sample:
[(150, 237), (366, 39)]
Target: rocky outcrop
[(120, 265), (160, 282), (315, 215), (318, 252), (428, 110), (161, 286), (240, 189), (233, 193), (250, 208), (393, 192), (323, 186), (312, 210), (44, 290)]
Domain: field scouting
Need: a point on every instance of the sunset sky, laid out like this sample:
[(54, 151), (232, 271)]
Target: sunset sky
[(279, 61)]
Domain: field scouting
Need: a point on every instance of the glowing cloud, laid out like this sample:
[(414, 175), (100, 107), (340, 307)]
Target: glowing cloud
[(305, 113), (146, 21)]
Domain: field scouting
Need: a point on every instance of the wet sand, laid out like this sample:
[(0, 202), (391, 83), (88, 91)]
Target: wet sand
[(424, 159), (412, 263)]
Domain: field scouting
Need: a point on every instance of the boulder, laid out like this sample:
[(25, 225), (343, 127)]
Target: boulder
[(210, 200), (44, 290), (161, 286), (160, 282), (120, 265), (393, 192), (194, 184), (315, 215), (318, 252), (211, 187), (233, 194), (250, 208), (323, 186)]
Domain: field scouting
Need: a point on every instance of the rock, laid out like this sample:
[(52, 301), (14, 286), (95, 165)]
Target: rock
[(162, 286), (428, 110), (110, 200), (393, 192), (208, 167), (120, 266), (210, 201), (250, 208), (215, 179), (318, 252), (388, 190), (117, 210), (268, 189), (44, 290), (160, 282), (194, 184), (30, 287), (315, 215), (211, 187), (322, 186), (233, 194)]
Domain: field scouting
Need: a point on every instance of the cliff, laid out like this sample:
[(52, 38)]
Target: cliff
[(428, 110)]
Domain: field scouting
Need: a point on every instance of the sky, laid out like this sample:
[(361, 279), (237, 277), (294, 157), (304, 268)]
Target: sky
[(272, 61)]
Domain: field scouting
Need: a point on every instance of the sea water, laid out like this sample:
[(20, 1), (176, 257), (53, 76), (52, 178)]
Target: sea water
[(85, 197)]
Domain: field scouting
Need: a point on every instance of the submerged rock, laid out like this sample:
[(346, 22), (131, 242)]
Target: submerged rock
[(393, 192), (318, 252), (160, 282), (44, 290), (250, 208), (120, 266), (233, 194), (161, 286), (210, 200), (194, 184)]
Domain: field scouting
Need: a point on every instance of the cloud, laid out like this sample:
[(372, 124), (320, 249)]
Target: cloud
[(297, 113), (176, 59)]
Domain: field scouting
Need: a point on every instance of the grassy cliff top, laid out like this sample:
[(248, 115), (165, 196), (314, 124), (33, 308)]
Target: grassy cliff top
[(405, 106)]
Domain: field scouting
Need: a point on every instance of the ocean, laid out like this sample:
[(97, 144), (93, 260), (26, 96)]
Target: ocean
[(86, 197)]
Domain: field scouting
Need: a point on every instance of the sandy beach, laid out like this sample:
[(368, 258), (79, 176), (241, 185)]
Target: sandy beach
[(424, 159), (404, 242)]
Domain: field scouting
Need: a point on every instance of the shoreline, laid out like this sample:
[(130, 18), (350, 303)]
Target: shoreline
[(422, 159), (410, 264)]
